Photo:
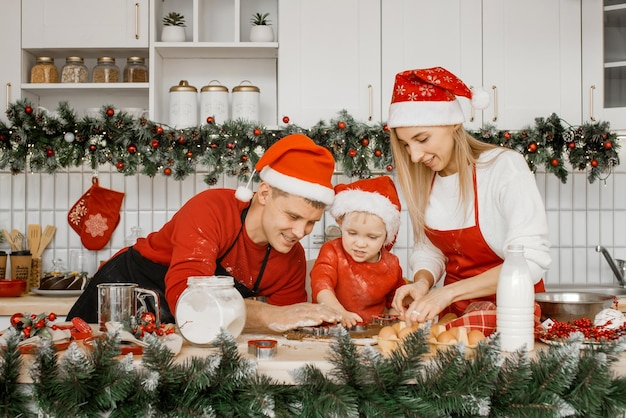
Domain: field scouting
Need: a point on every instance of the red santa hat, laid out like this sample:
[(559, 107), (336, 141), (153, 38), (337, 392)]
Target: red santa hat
[(428, 97), (377, 196), (296, 165)]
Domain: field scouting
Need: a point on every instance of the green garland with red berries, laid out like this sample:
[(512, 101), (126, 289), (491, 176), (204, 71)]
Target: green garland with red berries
[(39, 141)]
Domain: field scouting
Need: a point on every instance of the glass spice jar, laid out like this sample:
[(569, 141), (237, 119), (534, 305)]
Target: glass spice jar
[(44, 71), (74, 71), (105, 71), (135, 70)]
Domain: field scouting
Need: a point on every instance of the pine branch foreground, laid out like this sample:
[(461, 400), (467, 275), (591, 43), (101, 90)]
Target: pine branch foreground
[(560, 381)]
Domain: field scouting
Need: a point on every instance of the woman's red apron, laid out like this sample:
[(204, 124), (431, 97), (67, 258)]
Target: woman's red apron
[(468, 255)]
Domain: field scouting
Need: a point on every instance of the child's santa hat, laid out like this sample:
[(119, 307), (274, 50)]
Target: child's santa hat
[(296, 165), (377, 196), (427, 97)]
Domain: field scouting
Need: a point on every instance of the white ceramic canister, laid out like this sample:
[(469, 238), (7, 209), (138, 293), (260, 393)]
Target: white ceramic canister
[(246, 102), (183, 105), (209, 304), (214, 102)]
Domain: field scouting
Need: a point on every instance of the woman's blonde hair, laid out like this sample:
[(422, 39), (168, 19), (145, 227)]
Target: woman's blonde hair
[(416, 179)]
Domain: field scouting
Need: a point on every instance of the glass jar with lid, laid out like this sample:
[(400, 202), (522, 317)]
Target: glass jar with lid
[(44, 71), (105, 71), (208, 304), (74, 71), (245, 102), (135, 70)]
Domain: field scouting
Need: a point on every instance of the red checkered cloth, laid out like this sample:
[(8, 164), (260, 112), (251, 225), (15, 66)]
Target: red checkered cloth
[(482, 316)]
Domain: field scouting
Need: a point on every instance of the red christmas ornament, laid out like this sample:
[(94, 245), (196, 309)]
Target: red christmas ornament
[(341, 125), (159, 130), (385, 128), (213, 145), (132, 149), (16, 319), (120, 165), (155, 143), (608, 145), (210, 120), (571, 145), (167, 171), (554, 162), (28, 110), (230, 145), (110, 112), (285, 119), (52, 316), (532, 147), (257, 132), (365, 142), (389, 167), (507, 135), (378, 152), (594, 163), (92, 148), (2, 138), (50, 152), (244, 158), (352, 153), (181, 140), (189, 154)]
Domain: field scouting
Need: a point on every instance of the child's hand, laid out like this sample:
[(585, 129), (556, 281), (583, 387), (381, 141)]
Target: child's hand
[(350, 319)]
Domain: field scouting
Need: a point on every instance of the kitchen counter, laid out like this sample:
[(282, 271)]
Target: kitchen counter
[(30, 302)]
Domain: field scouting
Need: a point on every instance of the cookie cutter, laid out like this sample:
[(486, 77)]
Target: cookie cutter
[(262, 349)]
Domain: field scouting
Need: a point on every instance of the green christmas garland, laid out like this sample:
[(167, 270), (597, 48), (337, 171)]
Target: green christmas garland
[(560, 381), (39, 141)]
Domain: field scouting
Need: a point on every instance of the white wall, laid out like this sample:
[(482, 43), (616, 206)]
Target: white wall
[(581, 215)]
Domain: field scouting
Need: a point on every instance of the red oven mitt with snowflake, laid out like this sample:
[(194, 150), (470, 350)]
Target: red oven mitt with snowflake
[(96, 215)]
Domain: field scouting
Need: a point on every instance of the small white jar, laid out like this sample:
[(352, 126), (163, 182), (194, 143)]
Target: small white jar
[(209, 304), (246, 102), (183, 105), (214, 102)]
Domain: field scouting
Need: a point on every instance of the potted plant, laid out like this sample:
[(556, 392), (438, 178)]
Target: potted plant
[(173, 28), (261, 30)]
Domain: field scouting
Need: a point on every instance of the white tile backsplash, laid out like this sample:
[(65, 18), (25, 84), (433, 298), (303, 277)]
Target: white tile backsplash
[(580, 215)]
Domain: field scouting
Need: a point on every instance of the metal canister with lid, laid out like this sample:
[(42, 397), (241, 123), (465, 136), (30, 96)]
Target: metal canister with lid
[(183, 105), (214, 102), (246, 101)]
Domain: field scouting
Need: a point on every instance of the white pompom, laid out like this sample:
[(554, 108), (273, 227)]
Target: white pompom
[(480, 98), (243, 194)]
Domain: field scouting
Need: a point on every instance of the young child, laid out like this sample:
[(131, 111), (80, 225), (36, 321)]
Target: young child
[(356, 274)]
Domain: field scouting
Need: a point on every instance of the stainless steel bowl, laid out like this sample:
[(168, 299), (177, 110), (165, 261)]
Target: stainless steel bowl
[(567, 306)]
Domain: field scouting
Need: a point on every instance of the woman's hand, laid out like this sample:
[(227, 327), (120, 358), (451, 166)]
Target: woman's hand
[(427, 307)]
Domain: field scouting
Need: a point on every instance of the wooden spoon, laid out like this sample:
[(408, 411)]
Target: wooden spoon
[(9, 239), (34, 236), (46, 238)]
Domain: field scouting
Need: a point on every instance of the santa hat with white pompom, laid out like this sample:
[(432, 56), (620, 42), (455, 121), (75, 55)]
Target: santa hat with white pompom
[(428, 97), (297, 165)]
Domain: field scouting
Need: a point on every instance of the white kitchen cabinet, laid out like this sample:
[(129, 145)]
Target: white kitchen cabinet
[(217, 48), (604, 62), (531, 60), (10, 48), (329, 60), (85, 24), (525, 54), (425, 33)]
